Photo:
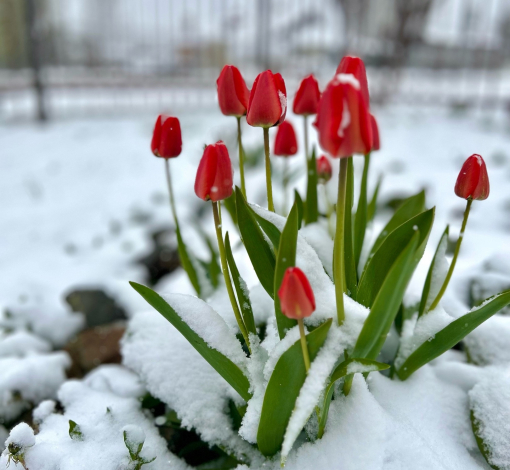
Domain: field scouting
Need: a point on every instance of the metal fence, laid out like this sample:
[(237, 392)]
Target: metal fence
[(68, 57)]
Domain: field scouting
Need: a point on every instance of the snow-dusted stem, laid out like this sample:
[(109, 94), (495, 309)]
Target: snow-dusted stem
[(226, 274), (338, 249), (305, 119), (171, 192), (304, 345), (269, 187), (455, 256), (241, 157)]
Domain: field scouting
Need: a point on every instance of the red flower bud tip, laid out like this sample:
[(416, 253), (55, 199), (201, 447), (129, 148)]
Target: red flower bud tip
[(296, 295), (356, 67), (285, 143), (307, 97), (214, 175), (473, 181), (233, 94), (267, 106), (324, 170), (343, 120), (376, 144), (166, 138)]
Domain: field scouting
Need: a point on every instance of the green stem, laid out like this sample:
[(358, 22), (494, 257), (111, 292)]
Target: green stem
[(285, 182), (329, 210), (171, 192), (269, 187), (361, 213), (338, 250), (304, 345), (455, 256), (305, 119), (241, 157), (226, 274)]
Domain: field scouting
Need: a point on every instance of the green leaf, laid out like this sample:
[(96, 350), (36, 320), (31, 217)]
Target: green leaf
[(269, 229), (372, 205), (260, 252), (286, 258), (379, 265), (186, 262), (300, 206), (351, 276), (450, 335), (212, 267), (74, 431), (283, 389), (360, 222), (311, 205), (411, 207), (230, 205), (385, 307), (343, 369), (222, 364), (243, 297), (428, 297)]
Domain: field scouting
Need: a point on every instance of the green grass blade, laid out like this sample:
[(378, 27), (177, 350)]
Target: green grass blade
[(286, 258), (379, 265), (345, 368), (411, 207), (360, 221), (351, 276), (222, 364), (283, 389), (386, 304), (311, 204), (260, 252), (372, 205), (243, 297), (426, 296), (449, 336)]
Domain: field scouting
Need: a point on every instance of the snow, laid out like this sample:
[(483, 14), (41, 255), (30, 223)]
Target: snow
[(43, 410), (488, 344), (22, 343), (134, 435), (490, 404), (317, 236), (22, 435)]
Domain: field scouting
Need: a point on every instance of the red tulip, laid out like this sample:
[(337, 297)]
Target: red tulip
[(214, 175), (473, 181), (376, 145), (324, 170), (166, 138), (343, 120), (268, 101), (356, 67), (285, 143), (233, 94), (296, 295), (307, 97)]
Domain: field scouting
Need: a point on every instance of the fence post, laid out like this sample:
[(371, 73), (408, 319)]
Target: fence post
[(34, 56)]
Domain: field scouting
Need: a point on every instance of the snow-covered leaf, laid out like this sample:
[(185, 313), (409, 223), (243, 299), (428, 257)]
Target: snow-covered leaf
[(260, 252), (242, 293), (283, 389), (382, 260), (452, 334), (219, 360), (286, 258), (311, 203), (436, 275)]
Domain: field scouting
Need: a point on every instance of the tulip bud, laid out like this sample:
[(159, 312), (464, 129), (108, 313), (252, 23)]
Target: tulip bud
[(296, 295), (307, 97), (343, 120), (285, 143), (473, 181), (214, 175), (166, 138), (267, 106), (324, 170), (233, 94), (376, 145), (356, 67)]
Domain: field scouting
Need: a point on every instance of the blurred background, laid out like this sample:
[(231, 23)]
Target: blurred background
[(111, 57)]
